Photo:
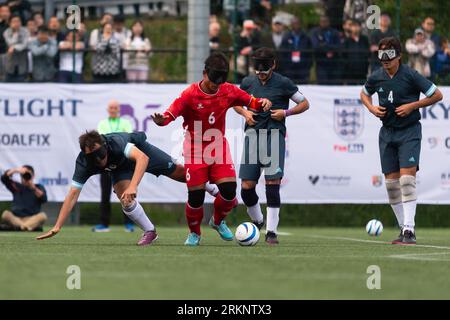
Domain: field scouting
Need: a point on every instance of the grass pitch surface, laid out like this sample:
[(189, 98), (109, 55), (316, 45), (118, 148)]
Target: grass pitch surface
[(309, 263)]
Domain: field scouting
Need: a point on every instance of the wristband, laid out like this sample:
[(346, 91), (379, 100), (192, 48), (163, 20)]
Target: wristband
[(288, 113)]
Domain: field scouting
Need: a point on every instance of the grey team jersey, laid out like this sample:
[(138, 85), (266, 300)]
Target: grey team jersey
[(119, 146), (404, 87), (278, 90)]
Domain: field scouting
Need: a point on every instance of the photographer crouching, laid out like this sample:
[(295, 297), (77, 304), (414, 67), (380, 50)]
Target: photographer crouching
[(25, 214)]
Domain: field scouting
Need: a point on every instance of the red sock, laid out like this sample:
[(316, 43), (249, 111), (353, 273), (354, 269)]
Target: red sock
[(194, 218), (222, 208)]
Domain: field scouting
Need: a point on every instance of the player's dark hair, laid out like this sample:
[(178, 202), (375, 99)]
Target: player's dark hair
[(217, 61), (390, 43), (89, 139), (264, 53), (29, 168)]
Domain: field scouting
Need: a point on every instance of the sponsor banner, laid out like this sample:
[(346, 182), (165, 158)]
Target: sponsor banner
[(331, 150)]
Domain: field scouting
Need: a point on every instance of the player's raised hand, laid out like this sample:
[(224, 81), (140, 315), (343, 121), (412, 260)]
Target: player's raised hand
[(378, 111), (404, 110), (159, 118), (48, 234), (278, 114), (266, 104)]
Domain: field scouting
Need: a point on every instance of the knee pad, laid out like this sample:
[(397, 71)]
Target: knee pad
[(394, 191), (196, 198), (249, 197), (228, 190), (408, 188), (273, 195)]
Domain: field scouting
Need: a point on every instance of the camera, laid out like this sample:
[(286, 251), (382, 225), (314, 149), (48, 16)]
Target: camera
[(26, 176)]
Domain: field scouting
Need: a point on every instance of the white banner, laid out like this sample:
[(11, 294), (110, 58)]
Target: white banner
[(332, 149)]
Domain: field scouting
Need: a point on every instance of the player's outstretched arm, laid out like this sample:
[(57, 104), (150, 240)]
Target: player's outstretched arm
[(406, 109), (141, 160), (69, 202), (160, 119)]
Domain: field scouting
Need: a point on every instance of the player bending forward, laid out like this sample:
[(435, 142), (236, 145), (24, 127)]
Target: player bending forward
[(206, 152), (398, 88), (266, 130), (127, 156)]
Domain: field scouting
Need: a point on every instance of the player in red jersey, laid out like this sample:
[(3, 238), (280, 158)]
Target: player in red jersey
[(203, 106)]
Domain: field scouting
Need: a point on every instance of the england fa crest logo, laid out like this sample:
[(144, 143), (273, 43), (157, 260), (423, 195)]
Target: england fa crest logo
[(348, 118)]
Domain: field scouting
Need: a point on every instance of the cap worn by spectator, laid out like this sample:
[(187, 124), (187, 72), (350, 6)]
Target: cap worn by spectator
[(418, 31), (278, 20)]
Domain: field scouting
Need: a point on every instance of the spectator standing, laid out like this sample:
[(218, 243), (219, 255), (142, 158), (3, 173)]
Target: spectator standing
[(296, 56), (32, 29), (25, 213), (5, 14), (105, 61), (121, 32), (249, 40), (32, 35), (38, 19), (356, 55), (420, 50), (261, 10), (346, 30), (137, 60), (96, 34), (110, 125), (275, 38), (66, 58), (54, 28), (443, 59), (326, 44), (214, 35), (385, 31), (357, 10), (43, 50), (22, 8), (428, 26), (16, 38)]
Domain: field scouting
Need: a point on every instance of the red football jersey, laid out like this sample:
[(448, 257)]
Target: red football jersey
[(204, 115)]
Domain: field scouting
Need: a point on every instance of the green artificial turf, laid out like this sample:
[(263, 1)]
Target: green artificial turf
[(309, 263)]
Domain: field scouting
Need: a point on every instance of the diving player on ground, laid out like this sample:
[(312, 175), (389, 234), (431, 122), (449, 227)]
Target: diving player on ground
[(398, 88), (266, 130), (206, 152), (127, 156)]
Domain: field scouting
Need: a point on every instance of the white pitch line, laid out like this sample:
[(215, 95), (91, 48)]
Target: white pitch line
[(379, 242), (280, 233), (420, 256)]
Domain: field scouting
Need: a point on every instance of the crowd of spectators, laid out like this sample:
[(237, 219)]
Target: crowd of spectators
[(45, 52), (32, 49), (341, 56)]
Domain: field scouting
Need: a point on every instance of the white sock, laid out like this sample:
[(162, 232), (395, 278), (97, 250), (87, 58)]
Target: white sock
[(409, 209), (137, 214), (212, 189), (255, 213), (272, 219), (398, 210)]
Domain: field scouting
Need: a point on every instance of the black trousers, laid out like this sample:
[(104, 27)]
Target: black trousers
[(105, 204)]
